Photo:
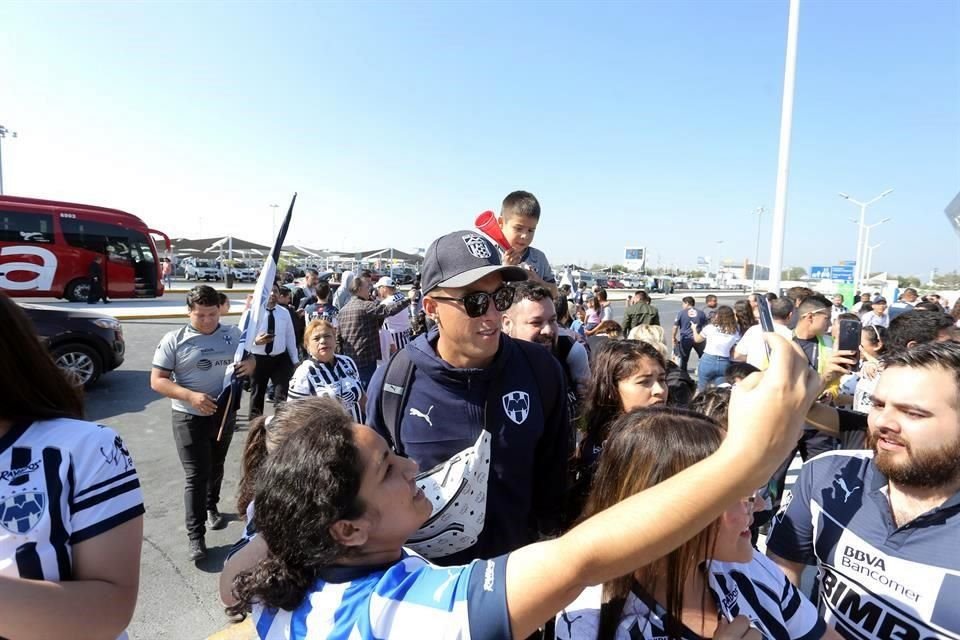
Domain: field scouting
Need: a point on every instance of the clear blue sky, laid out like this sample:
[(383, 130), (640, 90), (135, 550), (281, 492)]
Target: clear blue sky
[(647, 123)]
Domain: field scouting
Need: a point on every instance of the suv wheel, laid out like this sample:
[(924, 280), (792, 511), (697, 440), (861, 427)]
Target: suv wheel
[(77, 291), (80, 364)]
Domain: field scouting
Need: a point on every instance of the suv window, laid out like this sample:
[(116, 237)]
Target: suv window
[(16, 226)]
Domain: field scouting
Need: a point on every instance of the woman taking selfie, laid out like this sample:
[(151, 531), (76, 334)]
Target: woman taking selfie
[(709, 579), (71, 511), (336, 505)]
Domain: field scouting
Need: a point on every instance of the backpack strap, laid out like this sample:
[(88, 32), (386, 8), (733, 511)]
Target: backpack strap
[(394, 394)]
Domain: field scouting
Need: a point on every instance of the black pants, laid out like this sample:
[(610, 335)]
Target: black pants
[(96, 292), (685, 346), (276, 369), (202, 459)]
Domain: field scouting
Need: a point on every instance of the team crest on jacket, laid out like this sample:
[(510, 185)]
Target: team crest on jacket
[(516, 404), (21, 512), (477, 246)]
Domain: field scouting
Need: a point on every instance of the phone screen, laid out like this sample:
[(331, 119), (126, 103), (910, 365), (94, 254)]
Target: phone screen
[(766, 319)]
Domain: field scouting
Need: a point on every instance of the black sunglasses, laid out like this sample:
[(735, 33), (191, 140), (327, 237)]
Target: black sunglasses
[(477, 303)]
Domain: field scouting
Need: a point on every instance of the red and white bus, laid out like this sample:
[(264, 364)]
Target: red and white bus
[(47, 248)]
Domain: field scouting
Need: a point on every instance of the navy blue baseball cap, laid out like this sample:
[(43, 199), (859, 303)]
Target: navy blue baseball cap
[(461, 258)]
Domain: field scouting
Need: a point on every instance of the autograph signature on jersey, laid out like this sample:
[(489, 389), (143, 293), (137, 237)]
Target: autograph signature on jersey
[(118, 454)]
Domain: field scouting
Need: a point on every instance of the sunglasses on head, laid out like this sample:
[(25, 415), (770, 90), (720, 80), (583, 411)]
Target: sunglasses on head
[(477, 303)]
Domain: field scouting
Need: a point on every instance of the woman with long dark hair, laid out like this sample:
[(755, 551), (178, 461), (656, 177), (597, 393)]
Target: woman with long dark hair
[(71, 510), (721, 336), (716, 574), (745, 316), (336, 506)]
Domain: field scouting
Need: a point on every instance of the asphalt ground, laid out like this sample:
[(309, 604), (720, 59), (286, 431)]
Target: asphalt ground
[(179, 599)]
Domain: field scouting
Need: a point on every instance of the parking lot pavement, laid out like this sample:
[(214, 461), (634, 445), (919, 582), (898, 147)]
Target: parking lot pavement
[(177, 598)]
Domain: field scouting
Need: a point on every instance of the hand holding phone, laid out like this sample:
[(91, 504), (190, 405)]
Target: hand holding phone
[(766, 319)]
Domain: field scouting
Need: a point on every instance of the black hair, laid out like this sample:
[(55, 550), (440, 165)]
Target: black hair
[(771, 296), (323, 290), (528, 290), (710, 297), (940, 355), (737, 371), (563, 311), (689, 300), (520, 203), (713, 403), (813, 303), (918, 327), (309, 483), (222, 298), (34, 387), (311, 272), (203, 295), (781, 308), (928, 305)]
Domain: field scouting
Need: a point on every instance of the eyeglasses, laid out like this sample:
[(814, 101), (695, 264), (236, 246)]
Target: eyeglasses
[(477, 303)]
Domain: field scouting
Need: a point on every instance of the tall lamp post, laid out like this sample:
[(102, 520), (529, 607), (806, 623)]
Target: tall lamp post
[(865, 274), (870, 249), (756, 253), (3, 134), (858, 267), (273, 220)]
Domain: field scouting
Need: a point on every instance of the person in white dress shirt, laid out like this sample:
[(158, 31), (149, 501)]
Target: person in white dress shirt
[(275, 352)]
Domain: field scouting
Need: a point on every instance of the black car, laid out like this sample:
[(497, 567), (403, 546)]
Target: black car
[(84, 344)]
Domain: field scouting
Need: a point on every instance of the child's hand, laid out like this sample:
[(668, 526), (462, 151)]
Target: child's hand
[(512, 257)]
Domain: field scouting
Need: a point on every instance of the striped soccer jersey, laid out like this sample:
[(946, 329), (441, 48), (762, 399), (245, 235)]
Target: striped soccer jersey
[(410, 599), (61, 482), (758, 590), (340, 381), (877, 580)]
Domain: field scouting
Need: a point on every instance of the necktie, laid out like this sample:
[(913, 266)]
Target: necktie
[(271, 329)]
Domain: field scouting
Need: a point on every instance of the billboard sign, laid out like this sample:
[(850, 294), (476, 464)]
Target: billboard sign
[(821, 273), (843, 274), (634, 258)]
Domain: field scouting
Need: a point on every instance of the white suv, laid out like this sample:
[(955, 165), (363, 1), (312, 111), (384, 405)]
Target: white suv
[(200, 269)]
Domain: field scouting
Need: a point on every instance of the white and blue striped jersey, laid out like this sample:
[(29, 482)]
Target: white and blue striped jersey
[(339, 379), (758, 590), (410, 599), (877, 580)]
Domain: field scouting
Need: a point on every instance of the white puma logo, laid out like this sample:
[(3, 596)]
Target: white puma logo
[(842, 485), (451, 576), (426, 416)]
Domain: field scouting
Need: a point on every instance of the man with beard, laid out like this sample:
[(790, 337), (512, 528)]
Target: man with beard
[(533, 317), (883, 524)]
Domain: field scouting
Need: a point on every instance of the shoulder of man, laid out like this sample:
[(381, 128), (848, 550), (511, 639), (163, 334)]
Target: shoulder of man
[(545, 367)]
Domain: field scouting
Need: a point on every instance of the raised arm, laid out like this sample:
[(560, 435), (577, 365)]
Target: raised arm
[(766, 416)]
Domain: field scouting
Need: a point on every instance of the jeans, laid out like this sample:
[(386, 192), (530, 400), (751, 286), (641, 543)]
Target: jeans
[(202, 459), (711, 370)]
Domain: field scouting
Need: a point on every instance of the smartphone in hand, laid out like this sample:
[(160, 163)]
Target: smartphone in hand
[(848, 338), (766, 319)]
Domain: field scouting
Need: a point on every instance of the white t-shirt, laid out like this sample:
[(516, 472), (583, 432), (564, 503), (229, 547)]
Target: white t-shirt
[(62, 482), (758, 590), (719, 343), (751, 345)]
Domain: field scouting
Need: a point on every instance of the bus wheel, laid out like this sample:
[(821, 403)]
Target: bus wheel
[(79, 363), (78, 291)]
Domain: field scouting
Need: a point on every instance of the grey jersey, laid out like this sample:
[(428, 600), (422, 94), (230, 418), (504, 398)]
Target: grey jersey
[(197, 361), (537, 260)]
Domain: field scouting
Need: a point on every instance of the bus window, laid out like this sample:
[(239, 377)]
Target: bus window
[(25, 227), (88, 235)]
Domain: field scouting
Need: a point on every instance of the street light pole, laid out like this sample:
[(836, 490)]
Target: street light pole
[(3, 134), (756, 253), (783, 158), (865, 274), (858, 267), (870, 260), (716, 271), (273, 220)]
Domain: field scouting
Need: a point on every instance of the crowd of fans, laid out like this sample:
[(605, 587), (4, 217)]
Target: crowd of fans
[(493, 456)]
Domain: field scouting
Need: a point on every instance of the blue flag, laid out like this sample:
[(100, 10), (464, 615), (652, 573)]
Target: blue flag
[(229, 399)]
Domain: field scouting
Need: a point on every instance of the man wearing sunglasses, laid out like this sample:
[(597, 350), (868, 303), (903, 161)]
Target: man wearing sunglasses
[(466, 376)]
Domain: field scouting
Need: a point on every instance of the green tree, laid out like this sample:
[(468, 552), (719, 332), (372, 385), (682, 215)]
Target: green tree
[(794, 273), (948, 280), (618, 267), (696, 274), (597, 266), (907, 281)]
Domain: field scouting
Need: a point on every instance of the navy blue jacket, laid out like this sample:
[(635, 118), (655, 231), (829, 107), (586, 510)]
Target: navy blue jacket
[(528, 466)]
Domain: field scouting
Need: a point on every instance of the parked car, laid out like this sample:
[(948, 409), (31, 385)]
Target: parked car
[(242, 272), (403, 275), (614, 284), (201, 269), (84, 344)]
